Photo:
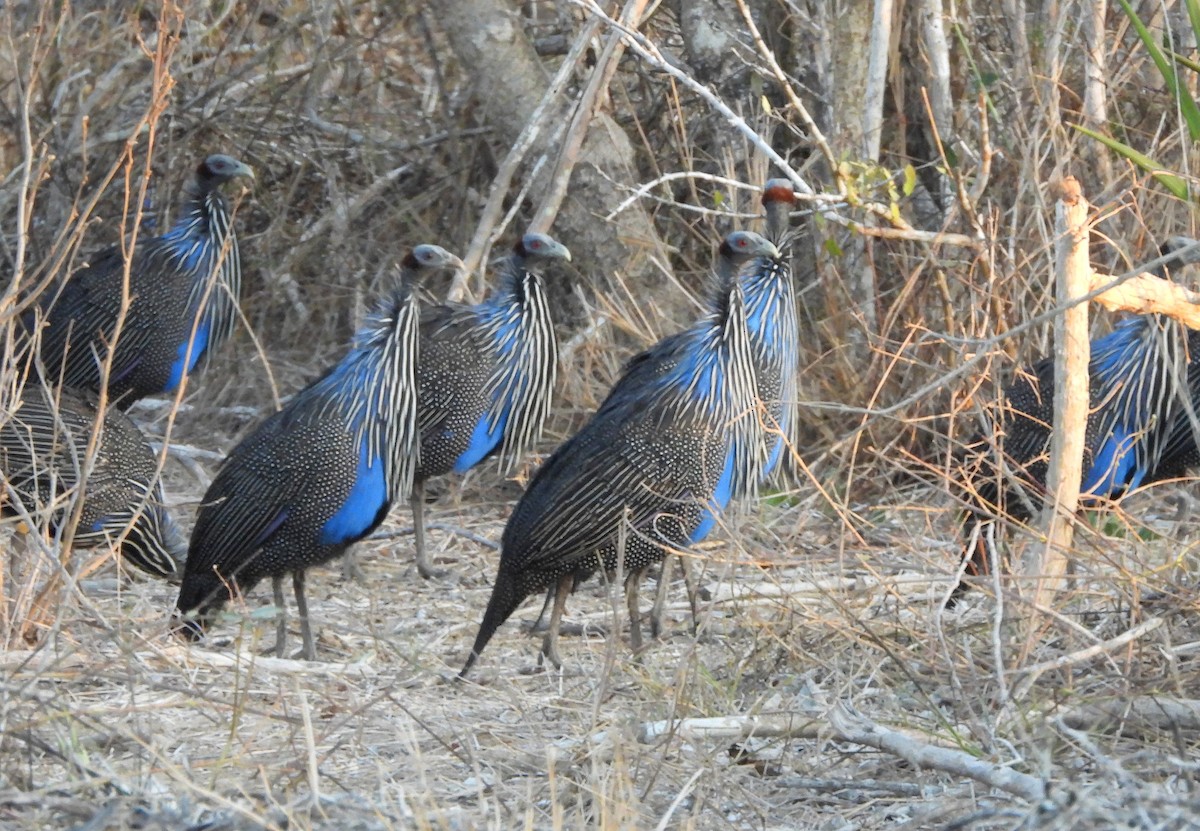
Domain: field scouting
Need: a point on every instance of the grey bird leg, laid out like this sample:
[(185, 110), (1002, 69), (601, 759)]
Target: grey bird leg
[(632, 583), (351, 572), (550, 640), (416, 501), (660, 595), (539, 625), (580, 629), (693, 593), (309, 653), (280, 616)]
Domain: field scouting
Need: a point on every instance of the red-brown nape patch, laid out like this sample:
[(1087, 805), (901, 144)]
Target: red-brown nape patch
[(778, 190)]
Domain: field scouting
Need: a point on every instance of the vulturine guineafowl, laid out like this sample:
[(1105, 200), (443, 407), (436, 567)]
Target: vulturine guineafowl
[(321, 473), (1144, 386), (675, 440), (183, 295), (774, 339), (44, 439), (486, 374), (771, 320)]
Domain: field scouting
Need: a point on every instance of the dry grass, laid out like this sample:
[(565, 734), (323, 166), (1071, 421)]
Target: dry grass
[(360, 125)]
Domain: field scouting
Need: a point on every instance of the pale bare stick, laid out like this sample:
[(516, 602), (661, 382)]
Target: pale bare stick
[(1045, 565), (1034, 671), (852, 727), (489, 217)]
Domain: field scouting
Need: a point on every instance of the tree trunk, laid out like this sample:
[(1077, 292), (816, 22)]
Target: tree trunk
[(509, 80)]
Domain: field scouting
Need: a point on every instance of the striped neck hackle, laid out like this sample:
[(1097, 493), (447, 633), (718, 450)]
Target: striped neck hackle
[(375, 385), (203, 244), (741, 256), (774, 326), (517, 321)]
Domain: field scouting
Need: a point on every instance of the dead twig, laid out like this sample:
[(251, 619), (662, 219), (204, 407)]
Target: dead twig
[(850, 726)]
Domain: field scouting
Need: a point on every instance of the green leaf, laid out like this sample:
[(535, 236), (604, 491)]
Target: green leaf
[(1193, 10), (1175, 184), (718, 198), (910, 180), (833, 248), (766, 105), (781, 499), (951, 157), (1186, 62), (1187, 105)]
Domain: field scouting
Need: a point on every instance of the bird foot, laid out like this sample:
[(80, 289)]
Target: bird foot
[(352, 572), (429, 573)]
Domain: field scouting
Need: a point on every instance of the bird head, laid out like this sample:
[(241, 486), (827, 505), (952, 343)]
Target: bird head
[(742, 246), (539, 250), (218, 169), (431, 257)]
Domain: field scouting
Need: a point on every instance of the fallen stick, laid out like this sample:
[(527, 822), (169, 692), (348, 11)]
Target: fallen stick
[(1149, 711), (850, 726), (843, 724), (797, 725), (246, 660), (724, 728), (809, 783), (1033, 672)]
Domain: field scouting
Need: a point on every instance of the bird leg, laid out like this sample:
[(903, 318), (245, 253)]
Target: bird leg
[(660, 595), (550, 640), (693, 592), (309, 652), (539, 625), (280, 616), (351, 571), (579, 629), (632, 582), (664, 584), (416, 501)]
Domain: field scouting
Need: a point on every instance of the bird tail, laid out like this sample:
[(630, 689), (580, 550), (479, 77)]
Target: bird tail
[(502, 604)]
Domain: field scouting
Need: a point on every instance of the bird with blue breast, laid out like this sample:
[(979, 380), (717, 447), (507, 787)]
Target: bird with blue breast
[(318, 475), (486, 375), (179, 304), (1144, 386), (57, 447), (674, 441), (772, 328)]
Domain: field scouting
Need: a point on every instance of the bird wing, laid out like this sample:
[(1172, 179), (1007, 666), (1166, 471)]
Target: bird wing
[(602, 476), (455, 363), (87, 303), (256, 488), (644, 369)]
